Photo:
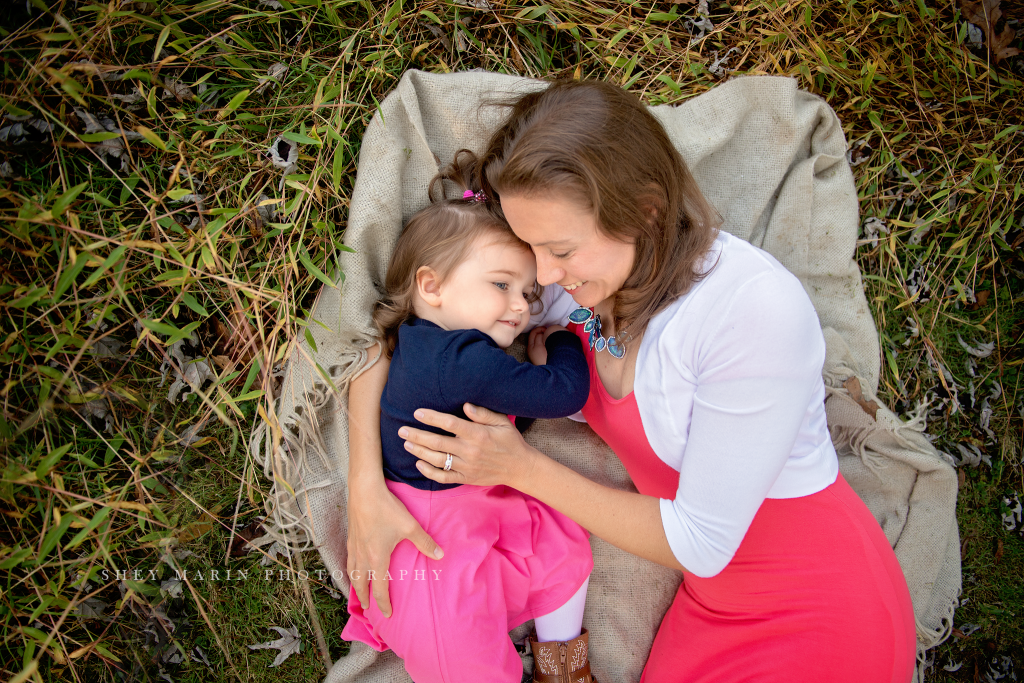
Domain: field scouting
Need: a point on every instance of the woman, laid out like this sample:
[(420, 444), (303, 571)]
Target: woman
[(705, 357)]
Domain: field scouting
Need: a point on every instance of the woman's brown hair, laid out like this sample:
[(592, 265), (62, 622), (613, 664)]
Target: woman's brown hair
[(439, 236), (601, 146)]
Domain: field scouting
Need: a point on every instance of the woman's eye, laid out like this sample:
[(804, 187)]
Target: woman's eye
[(501, 285), (561, 255)]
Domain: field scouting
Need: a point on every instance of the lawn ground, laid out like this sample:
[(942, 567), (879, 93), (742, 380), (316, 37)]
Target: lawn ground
[(134, 214)]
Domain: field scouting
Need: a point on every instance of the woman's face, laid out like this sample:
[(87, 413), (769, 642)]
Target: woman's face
[(570, 249)]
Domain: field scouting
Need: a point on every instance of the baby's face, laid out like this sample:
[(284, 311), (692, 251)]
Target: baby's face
[(488, 291)]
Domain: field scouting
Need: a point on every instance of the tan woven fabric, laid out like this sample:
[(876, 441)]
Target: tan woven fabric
[(771, 159)]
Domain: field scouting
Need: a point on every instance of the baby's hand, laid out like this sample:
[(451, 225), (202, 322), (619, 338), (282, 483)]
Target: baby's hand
[(551, 329), (535, 348)]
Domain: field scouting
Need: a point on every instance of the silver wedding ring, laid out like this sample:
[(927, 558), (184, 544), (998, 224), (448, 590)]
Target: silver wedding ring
[(448, 462)]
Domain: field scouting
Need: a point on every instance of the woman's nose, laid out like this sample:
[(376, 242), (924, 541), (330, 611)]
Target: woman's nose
[(547, 271)]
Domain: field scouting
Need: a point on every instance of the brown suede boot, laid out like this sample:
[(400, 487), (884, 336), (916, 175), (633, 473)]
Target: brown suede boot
[(555, 662)]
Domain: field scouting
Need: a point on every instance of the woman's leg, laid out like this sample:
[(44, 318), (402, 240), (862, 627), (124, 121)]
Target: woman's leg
[(566, 622)]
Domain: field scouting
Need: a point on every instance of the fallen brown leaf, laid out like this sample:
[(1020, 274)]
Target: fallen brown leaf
[(982, 299), (985, 15), (195, 530), (852, 385), (240, 539), (237, 339), (999, 551)]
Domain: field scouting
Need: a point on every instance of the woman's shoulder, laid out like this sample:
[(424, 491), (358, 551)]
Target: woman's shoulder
[(736, 262), (745, 291)]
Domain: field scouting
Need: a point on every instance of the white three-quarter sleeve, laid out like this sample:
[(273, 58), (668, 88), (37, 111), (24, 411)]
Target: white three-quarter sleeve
[(756, 365)]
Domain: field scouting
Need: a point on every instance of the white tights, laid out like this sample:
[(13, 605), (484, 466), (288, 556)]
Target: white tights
[(566, 622)]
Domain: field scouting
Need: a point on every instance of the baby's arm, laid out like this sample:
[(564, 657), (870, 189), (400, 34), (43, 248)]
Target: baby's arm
[(476, 372), (378, 521)]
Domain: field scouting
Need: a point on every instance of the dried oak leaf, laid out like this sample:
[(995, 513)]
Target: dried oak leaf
[(852, 385), (981, 301), (985, 14), (289, 643), (92, 608), (237, 339), (240, 540)]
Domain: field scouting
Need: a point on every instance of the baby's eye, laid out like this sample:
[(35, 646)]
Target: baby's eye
[(503, 286)]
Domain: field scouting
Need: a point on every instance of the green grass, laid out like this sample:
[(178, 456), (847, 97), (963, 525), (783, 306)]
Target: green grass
[(95, 243)]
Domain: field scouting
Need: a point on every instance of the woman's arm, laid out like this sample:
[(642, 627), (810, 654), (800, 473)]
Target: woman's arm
[(377, 520), (497, 454), (751, 401)]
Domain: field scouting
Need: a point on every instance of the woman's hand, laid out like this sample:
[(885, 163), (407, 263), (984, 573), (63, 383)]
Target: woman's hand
[(486, 452), (377, 522)]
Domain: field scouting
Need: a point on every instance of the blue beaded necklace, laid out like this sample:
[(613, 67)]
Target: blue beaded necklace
[(598, 342)]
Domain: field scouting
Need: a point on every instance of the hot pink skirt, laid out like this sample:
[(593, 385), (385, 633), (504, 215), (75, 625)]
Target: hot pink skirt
[(507, 559)]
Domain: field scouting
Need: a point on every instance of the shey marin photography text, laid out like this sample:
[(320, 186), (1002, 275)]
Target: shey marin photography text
[(218, 574)]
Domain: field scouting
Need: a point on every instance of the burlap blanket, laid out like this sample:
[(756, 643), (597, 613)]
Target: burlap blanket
[(772, 160)]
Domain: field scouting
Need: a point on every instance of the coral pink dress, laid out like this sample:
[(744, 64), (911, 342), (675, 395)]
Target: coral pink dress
[(814, 593)]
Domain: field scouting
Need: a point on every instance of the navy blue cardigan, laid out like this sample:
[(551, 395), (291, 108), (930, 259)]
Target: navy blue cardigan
[(443, 369)]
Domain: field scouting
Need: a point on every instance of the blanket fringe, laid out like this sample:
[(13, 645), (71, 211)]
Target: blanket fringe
[(284, 445), (859, 438), (928, 638)]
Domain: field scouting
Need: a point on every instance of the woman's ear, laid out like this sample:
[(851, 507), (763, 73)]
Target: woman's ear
[(652, 206), (428, 286)]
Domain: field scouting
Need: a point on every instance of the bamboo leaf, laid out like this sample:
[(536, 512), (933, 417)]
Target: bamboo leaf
[(50, 460), (191, 302), (99, 137), (96, 520), (160, 43), (69, 275), (151, 137), (302, 139), (52, 536), (233, 104), (64, 201), (311, 267)]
